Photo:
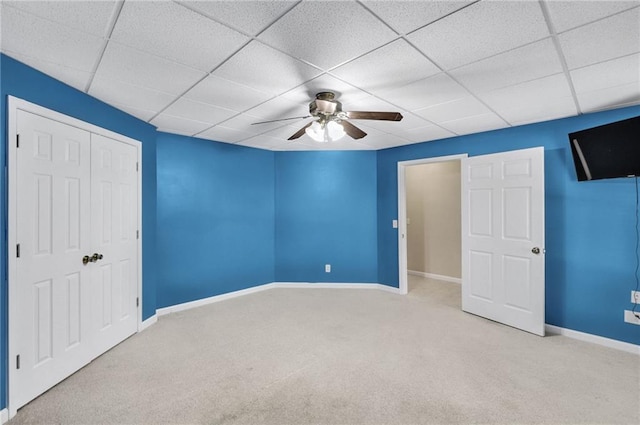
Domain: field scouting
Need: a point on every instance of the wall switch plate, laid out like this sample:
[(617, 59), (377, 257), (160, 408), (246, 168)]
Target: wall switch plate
[(629, 317), (635, 297), (327, 268), (395, 224)]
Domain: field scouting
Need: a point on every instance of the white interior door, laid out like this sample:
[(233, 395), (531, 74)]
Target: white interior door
[(503, 238), (73, 193), (114, 209), (49, 301)]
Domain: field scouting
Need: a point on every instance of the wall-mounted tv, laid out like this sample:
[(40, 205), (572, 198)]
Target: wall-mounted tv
[(607, 151)]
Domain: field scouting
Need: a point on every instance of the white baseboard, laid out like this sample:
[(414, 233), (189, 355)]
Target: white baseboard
[(327, 285), (229, 295), (210, 300), (4, 416), (595, 339), (436, 276), (146, 323)]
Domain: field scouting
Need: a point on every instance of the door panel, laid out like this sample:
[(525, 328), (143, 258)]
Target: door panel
[(502, 279), (50, 299), (114, 210)]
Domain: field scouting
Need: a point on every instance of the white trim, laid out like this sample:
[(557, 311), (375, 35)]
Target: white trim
[(147, 323), (222, 297), (325, 285), (210, 300), (402, 212), (594, 339), (436, 276), (4, 416)]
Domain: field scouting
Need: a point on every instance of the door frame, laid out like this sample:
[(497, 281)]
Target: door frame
[(13, 105), (403, 285)]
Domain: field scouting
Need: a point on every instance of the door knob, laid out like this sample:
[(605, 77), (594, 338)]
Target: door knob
[(535, 250), (95, 257), (85, 259)]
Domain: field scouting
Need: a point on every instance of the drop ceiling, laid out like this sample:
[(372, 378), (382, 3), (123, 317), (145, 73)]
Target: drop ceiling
[(210, 69)]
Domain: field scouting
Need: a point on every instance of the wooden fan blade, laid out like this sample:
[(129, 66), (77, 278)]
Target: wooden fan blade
[(385, 116), (281, 119), (300, 132), (352, 130)]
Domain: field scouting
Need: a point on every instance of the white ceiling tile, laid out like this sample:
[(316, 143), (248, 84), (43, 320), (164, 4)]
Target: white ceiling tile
[(135, 67), (609, 38), (171, 124), (221, 133), (607, 74), (570, 14), (174, 32), (27, 35), (265, 69), (393, 65), (456, 109), (526, 63), (278, 108), (248, 16), (475, 124), (228, 94), (431, 91), (545, 98), (425, 134), (609, 98), (306, 92), (92, 17), (245, 122), (70, 76), (481, 30), (327, 33), (198, 111), (142, 114), (114, 91), (406, 16)]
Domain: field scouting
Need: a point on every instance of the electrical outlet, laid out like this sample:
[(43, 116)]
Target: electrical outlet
[(629, 317), (327, 268), (635, 297)]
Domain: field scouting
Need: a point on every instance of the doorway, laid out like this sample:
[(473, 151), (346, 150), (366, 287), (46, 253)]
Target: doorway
[(421, 252)]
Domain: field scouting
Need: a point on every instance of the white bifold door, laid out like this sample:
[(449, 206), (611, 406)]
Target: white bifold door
[(503, 238), (74, 281)]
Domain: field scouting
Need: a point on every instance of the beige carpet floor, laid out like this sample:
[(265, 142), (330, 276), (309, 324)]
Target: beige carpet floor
[(344, 356)]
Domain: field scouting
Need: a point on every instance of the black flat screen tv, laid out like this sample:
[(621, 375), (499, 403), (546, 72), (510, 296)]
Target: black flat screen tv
[(608, 151)]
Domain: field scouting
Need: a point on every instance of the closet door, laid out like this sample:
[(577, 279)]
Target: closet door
[(49, 300), (74, 202), (114, 209)]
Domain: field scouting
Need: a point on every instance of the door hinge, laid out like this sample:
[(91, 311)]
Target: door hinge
[(18, 250), (17, 140), (137, 302), (18, 361), (137, 234), (137, 164)]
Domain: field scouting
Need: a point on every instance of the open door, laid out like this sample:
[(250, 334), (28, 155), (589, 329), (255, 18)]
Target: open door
[(503, 238)]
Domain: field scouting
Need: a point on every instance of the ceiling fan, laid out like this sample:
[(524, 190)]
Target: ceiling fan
[(332, 122)]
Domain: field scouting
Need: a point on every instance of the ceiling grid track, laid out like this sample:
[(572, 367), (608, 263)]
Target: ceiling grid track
[(112, 24), (558, 47)]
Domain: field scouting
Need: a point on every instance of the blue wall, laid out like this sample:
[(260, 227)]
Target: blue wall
[(326, 214), (26, 83), (590, 235), (215, 218)]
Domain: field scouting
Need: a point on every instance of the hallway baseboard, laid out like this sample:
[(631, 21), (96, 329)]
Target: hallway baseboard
[(435, 276)]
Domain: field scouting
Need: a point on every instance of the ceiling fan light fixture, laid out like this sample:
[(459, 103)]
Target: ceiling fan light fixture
[(325, 132)]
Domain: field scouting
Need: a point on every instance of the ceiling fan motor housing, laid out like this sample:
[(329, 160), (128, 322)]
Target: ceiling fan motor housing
[(325, 105)]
